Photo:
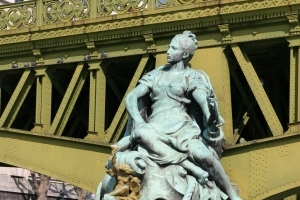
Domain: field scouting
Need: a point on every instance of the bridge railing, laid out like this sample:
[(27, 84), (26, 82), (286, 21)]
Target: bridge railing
[(17, 15), (45, 12)]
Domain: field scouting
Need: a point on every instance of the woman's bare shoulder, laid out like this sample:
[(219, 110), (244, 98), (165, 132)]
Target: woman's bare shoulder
[(199, 79), (157, 70), (197, 72)]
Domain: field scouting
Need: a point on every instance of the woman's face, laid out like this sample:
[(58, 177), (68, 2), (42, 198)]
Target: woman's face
[(175, 52)]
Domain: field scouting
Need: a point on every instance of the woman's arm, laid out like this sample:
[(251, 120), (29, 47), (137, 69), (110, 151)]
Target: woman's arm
[(131, 103), (200, 97)]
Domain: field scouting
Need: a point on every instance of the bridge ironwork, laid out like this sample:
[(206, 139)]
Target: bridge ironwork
[(66, 66)]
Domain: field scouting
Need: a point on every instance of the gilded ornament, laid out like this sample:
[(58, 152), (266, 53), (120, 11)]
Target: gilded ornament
[(70, 10), (265, 3), (151, 43), (25, 16), (15, 17), (93, 51), (112, 7), (255, 4), (128, 186), (294, 24), (65, 10), (207, 11), (164, 3), (186, 1), (36, 52), (90, 45), (236, 7), (39, 57), (224, 29), (225, 9)]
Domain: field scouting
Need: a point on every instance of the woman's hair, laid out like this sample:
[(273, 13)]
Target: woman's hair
[(188, 42)]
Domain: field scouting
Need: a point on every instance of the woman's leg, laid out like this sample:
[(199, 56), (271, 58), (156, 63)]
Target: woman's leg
[(160, 146), (156, 145), (204, 158), (200, 175)]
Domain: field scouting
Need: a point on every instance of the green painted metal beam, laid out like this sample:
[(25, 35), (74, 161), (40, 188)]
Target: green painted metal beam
[(75, 161), (1, 76), (43, 99), (294, 87), (77, 110), (114, 87), (264, 168), (244, 120), (110, 81), (81, 163), (258, 91), (96, 121), (29, 109), (69, 100), (59, 88), (30, 120), (245, 98), (26, 108), (17, 98), (74, 126), (7, 89)]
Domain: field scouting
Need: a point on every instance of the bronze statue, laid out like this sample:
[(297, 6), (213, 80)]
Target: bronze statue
[(174, 137)]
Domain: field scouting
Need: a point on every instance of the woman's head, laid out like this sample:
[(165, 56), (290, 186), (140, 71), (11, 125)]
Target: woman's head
[(188, 41), (182, 47)]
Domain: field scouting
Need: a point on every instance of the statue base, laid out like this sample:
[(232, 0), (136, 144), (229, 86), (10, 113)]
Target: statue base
[(169, 182)]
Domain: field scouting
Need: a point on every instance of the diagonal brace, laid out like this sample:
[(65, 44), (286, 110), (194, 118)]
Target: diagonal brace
[(248, 103), (121, 116), (69, 100), (258, 90), (17, 98), (242, 124)]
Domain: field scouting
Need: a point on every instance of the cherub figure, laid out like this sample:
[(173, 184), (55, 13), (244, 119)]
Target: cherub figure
[(128, 186)]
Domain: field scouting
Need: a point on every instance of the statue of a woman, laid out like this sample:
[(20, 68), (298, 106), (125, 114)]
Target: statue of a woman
[(170, 135)]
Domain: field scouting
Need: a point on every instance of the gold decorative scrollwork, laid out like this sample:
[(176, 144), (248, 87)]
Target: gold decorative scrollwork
[(168, 3), (163, 3), (65, 10), (110, 7), (16, 17), (186, 1)]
